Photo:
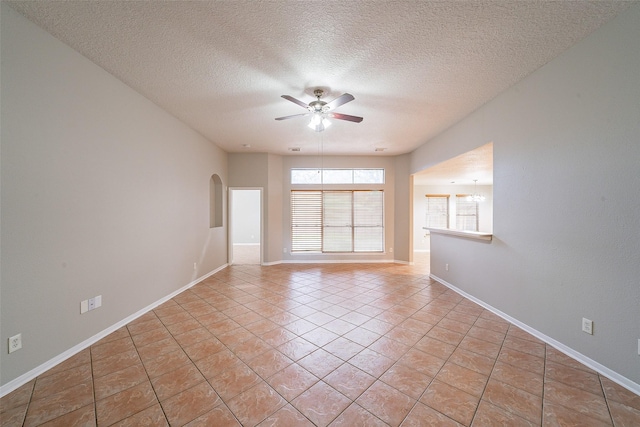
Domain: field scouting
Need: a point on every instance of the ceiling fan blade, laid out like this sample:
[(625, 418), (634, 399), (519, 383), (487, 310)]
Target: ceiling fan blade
[(342, 99), (295, 101), (291, 117), (346, 117)]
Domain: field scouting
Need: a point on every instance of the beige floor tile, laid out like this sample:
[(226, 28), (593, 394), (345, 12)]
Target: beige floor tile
[(125, 404), (339, 344), (287, 416), (349, 380), (422, 415), (292, 381), (321, 403), (356, 415), (256, 404), (387, 403), (450, 401)]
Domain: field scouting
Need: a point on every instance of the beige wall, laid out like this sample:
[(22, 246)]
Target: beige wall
[(272, 172), (403, 251), (566, 227), (261, 170), (103, 193)]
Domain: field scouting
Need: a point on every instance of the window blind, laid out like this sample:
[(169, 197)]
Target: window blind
[(466, 213), (437, 214), (337, 221), (367, 221), (306, 221)]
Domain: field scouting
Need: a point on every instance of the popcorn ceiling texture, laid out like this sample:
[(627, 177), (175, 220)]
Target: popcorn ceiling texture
[(415, 68)]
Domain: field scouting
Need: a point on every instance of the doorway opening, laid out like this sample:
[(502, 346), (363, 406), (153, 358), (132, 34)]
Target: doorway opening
[(443, 196), (245, 226)]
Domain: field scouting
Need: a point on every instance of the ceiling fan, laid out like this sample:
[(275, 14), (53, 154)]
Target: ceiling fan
[(320, 111)]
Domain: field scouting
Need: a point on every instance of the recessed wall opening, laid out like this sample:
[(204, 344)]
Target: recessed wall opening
[(215, 201), (455, 194)]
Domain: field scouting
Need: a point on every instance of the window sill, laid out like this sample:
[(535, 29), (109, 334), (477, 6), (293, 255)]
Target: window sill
[(477, 235)]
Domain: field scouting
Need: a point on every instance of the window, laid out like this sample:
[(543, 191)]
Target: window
[(437, 210), (337, 221), (466, 213), (337, 176)]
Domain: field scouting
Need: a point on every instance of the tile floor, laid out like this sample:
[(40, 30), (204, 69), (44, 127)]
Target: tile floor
[(303, 345)]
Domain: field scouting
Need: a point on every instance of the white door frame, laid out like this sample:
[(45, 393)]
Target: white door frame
[(230, 226)]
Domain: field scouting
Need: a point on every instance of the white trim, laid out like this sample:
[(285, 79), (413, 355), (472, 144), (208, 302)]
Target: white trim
[(601, 369), (336, 261), (28, 376), (479, 235), (340, 261)]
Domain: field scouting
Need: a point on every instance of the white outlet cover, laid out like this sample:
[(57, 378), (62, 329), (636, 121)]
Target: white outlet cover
[(98, 301), (15, 343), (84, 306)]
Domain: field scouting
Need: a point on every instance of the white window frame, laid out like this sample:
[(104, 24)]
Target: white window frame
[(462, 217), (309, 217), (433, 214), (342, 176)]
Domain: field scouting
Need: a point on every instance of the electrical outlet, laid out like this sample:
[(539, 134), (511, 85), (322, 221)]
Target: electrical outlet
[(90, 304), (15, 343), (390, 250), (587, 326), (195, 265), (446, 267)]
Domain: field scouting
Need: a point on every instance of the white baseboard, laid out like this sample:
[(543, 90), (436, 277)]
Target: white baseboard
[(339, 261), (601, 369), (28, 376)]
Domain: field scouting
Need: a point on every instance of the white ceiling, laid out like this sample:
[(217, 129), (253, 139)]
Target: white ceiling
[(414, 67)]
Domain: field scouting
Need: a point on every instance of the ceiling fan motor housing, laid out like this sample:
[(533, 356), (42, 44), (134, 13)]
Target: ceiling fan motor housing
[(317, 106)]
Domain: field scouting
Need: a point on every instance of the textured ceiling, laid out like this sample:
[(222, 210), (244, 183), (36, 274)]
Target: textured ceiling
[(461, 170), (414, 67)]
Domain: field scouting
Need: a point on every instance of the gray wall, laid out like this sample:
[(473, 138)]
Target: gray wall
[(103, 193), (566, 182)]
